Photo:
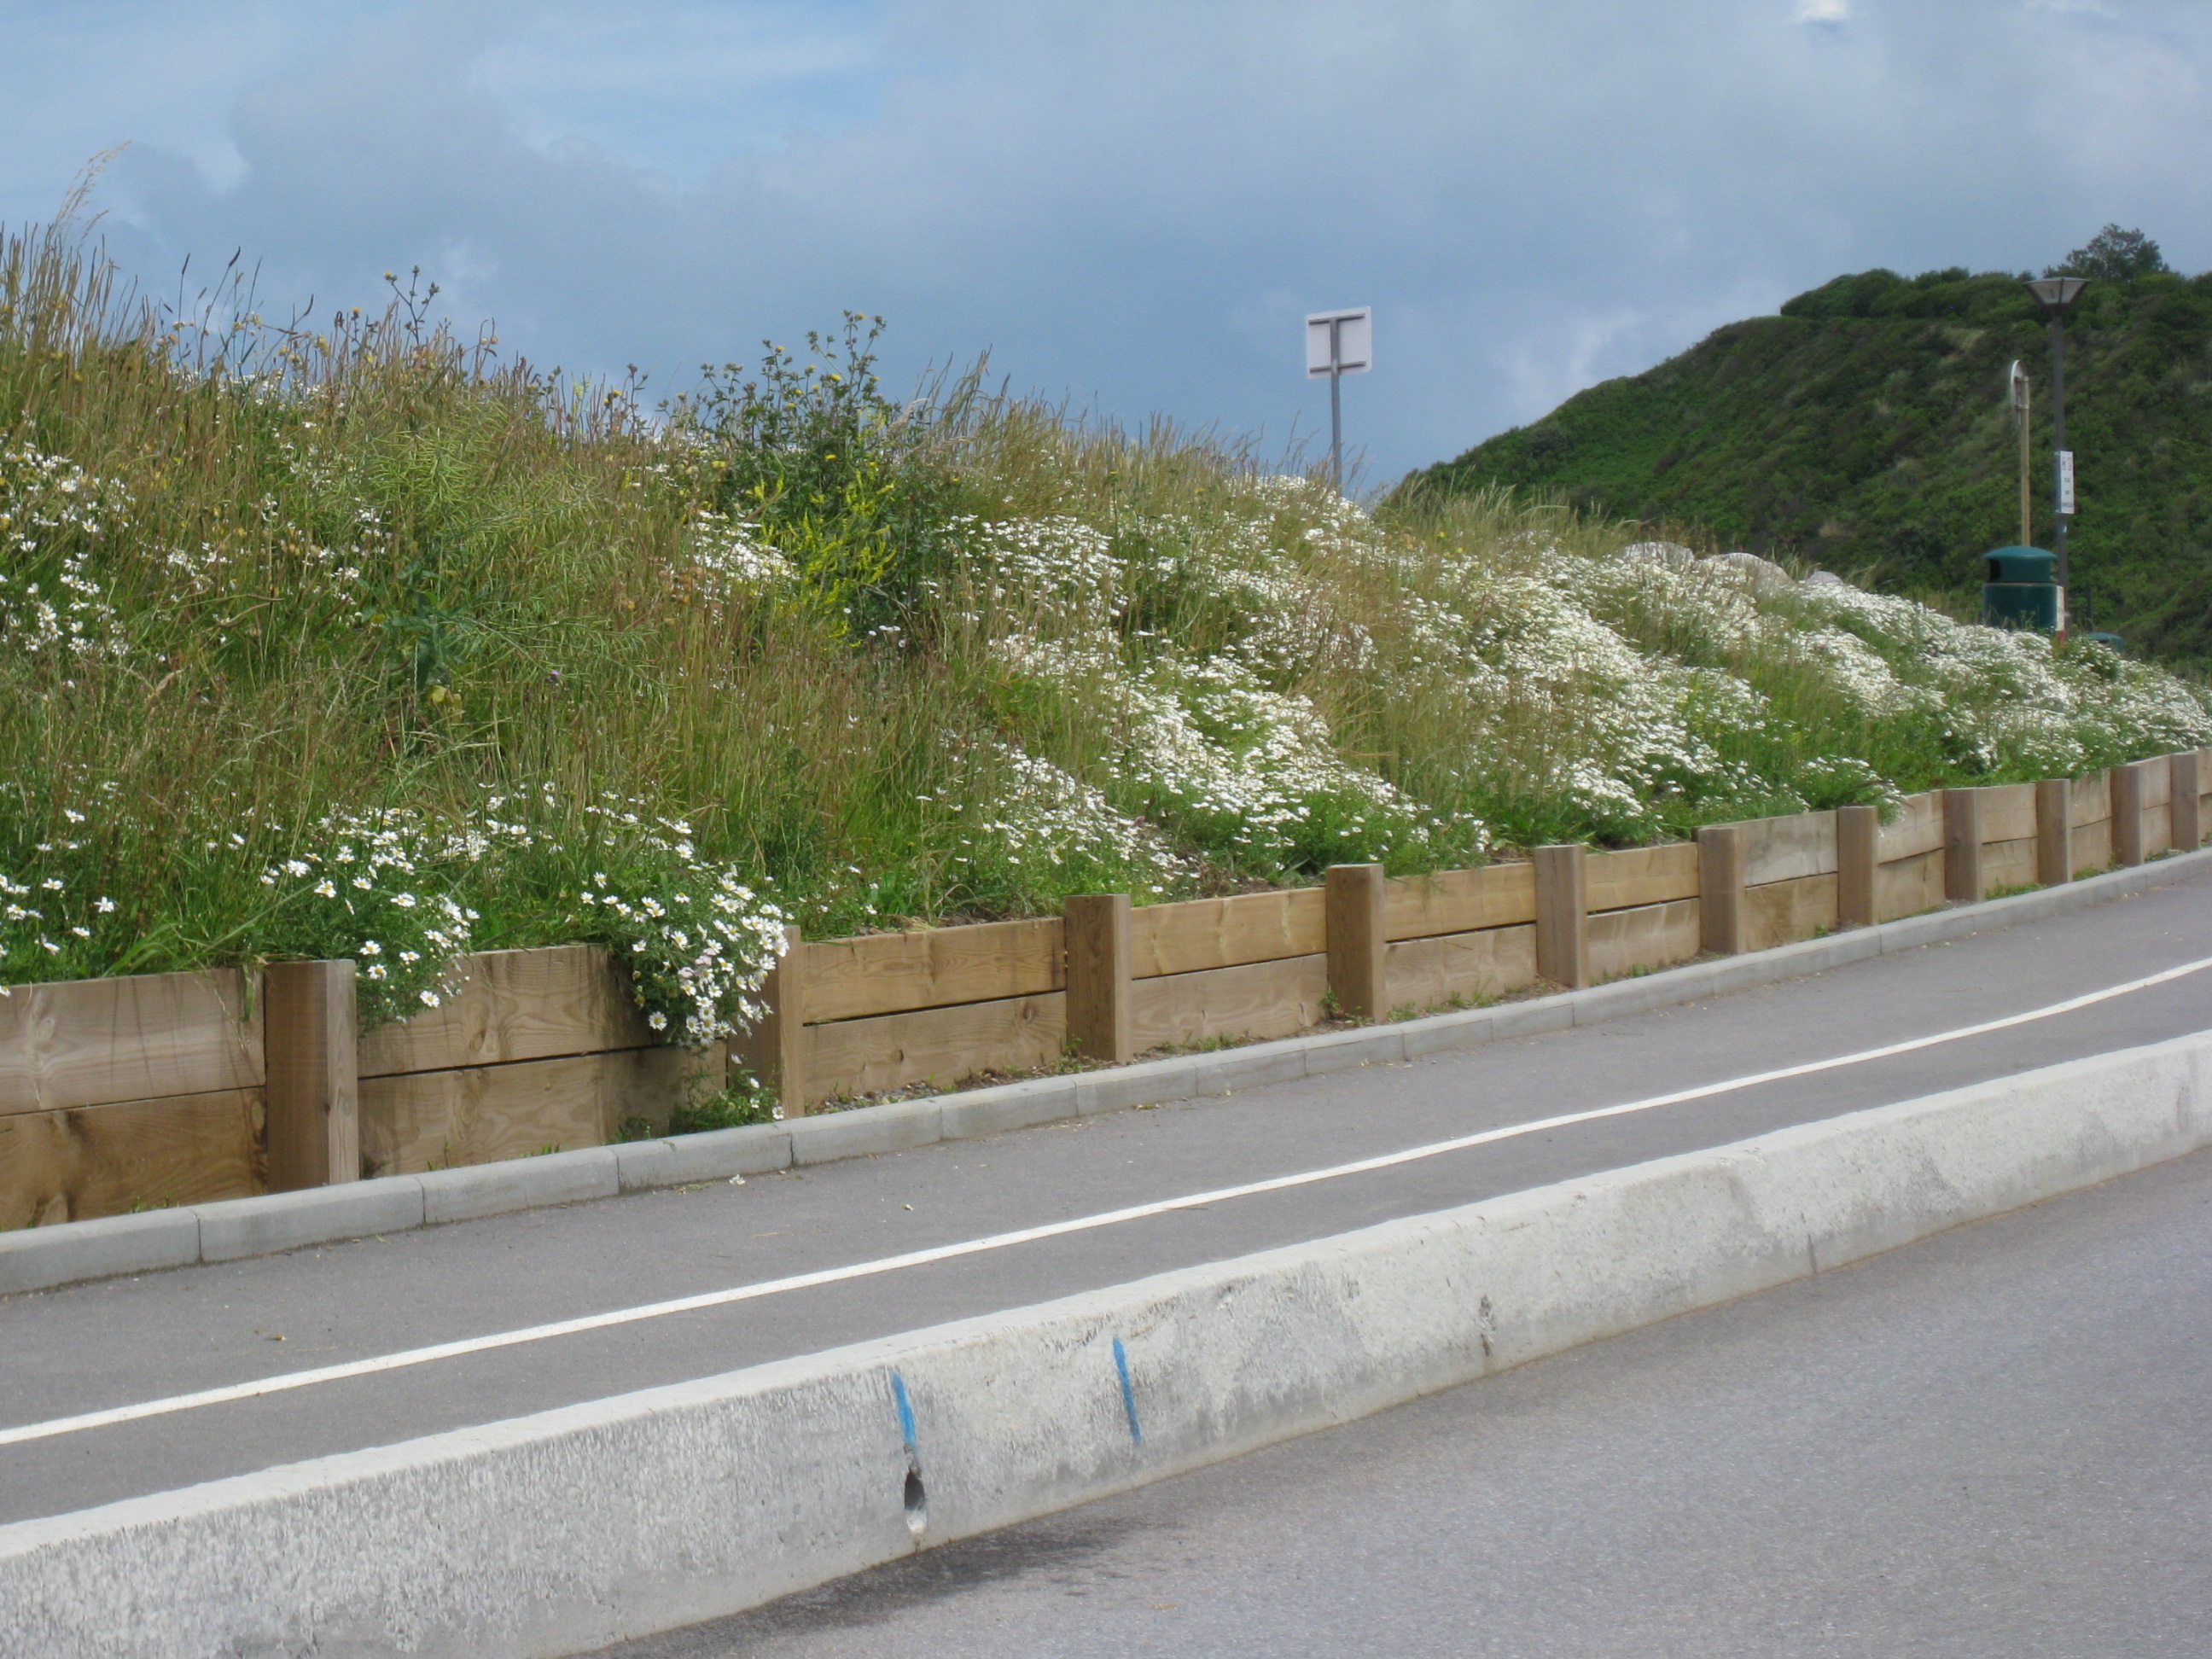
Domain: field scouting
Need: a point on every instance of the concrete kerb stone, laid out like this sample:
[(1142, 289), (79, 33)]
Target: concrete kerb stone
[(240, 1227), (33, 1259), (614, 1517), (475, 1190), (48, 1256)]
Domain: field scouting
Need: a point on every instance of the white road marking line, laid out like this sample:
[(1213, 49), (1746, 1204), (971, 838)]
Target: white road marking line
[(393, 1362)]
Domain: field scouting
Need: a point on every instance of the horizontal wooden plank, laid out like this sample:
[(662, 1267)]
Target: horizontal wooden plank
[(105, 1160), (1907, 886), (146, 1036), (1226, 933), (2008, 863), (2007, 811), (942, 1046), (931, 967), (2090, 799), (513, 1005), (1917, 829), (2093, 847), (1784, 912), (1641, 876), (1787, 848), (1464, 968), (411, 1121), (1649, 936), (1459, 901), (2157, 783), (2157, 828), (1259, 999)]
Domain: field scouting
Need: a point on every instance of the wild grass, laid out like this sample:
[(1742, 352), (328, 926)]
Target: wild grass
[(273, 598)]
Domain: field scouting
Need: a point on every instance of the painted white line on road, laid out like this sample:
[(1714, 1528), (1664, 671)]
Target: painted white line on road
[(424, 1355)]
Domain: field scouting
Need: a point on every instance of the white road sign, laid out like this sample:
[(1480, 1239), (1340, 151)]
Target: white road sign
[(2066, 481), (1340, 342)]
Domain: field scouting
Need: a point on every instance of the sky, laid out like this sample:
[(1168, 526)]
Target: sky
[(1129, 205)]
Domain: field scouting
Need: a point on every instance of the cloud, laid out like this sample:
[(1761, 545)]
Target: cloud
[(1823, 11), (1134, 205)]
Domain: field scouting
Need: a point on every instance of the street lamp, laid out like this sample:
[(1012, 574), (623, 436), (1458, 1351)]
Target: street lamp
[(2059, 295)]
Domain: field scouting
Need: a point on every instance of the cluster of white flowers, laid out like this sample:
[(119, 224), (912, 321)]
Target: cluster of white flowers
[(723, 562), (376, 883), (52, 516), (1037, 818), (700, 949)]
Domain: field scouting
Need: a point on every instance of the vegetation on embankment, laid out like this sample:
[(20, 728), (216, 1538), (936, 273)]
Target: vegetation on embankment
[(364, 642), (1868, 428)]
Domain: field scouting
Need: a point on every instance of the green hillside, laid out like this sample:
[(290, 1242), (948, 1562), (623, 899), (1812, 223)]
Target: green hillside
[(1867, 428)]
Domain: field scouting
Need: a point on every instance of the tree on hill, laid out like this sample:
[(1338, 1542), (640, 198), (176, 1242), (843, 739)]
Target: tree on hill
[(1867, 428)]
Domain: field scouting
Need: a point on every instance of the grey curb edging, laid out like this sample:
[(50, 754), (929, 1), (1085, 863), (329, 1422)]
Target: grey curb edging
[(41, 1258), (612, 1518)]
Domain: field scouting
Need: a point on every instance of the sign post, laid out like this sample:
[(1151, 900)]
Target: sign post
[(1338, 343)]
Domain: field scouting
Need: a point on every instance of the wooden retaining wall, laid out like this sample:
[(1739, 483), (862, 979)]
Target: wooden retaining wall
[(180, 1088)]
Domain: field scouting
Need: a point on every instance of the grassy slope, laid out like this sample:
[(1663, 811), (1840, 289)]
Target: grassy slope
[(1866, 428), (362, 643)]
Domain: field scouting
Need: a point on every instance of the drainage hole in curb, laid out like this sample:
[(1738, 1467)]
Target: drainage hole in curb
[(917, 1503)]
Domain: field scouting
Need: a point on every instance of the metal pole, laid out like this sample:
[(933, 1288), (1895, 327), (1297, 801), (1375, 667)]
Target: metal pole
[(2058, 443), (2025, 415), (1335, 406)]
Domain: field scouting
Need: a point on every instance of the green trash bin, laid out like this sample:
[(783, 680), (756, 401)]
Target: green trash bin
[(2020, 589)]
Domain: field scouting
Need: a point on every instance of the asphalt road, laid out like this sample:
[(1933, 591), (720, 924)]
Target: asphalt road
[(85, 1347), (1993, 1444)]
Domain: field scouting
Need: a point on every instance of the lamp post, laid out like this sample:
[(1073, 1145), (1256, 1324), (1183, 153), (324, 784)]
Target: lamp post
[(2059, 295), (1338, 343)]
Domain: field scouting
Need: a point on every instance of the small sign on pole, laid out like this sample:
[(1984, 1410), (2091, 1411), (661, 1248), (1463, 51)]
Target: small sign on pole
[(2066, 482), (1338, 343)]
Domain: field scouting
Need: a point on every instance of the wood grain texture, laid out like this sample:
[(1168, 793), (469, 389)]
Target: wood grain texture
[(1907, 886), (1720, 888), (2009, 864), (2054, 832), (1099, 950), (1464, 967), (1784, 912), (1226, 933), (1359, 946), (1459, 901), (1653, 936), (1858, 840), (411, 1121), (2157, 828), (1787, 848), (512, 1006), (1918, 828), (2007, 811), (1640, 876), (1259, 999), (2091, 799), (935, 1045), (931, 967), (1962, 845), (149, 1036), (102, 1160), (1563, 916), (313, 1092), (2127, 821), (2187, 803)]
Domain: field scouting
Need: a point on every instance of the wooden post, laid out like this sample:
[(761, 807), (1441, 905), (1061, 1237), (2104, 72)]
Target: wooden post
[(1099, 951), (1358, 947), (1722, 917), (2188, 817), (312, 1045), (1858, 840), (2054, 832), (775, 1049), (2127, 813), (1563, 916), (1962, 846)]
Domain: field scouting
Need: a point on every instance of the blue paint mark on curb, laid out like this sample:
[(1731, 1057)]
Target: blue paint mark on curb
[(906, 1412), (1128, 1393)]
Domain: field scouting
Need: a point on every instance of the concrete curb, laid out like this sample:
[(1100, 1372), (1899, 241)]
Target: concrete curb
[(44, 1257), (578, 1527)]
